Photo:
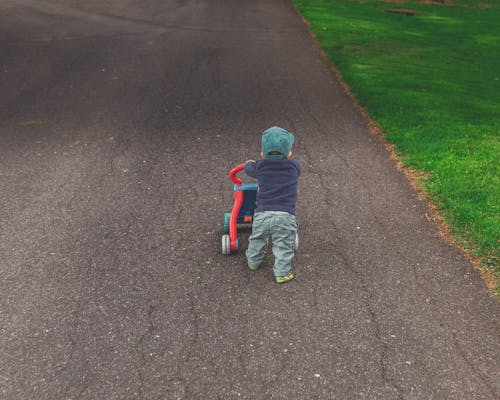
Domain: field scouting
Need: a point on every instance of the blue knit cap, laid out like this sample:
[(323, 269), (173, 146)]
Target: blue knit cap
[(276, 139)]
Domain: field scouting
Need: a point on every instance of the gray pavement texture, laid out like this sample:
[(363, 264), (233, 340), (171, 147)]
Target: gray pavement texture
[(119, 121)]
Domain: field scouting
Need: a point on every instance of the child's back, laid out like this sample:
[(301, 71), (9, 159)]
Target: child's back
[(277, 184)]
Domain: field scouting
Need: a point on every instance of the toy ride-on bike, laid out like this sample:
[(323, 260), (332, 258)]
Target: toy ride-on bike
[(245, 195)]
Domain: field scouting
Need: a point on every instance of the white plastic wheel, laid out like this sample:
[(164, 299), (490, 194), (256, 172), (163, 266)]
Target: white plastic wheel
[(226, 245), (296, 244)]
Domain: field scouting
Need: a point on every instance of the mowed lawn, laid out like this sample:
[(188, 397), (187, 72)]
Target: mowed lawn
[(429, 77)]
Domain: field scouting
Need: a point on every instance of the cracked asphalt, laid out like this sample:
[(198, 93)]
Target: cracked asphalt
[(119, 121)]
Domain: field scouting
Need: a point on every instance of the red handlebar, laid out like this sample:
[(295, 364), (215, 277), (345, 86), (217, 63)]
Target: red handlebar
[(234, 171), (238, 201)]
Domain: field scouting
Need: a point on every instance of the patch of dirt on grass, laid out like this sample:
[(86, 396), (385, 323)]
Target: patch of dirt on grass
[(484, 6), (442, 2), (401, 11)]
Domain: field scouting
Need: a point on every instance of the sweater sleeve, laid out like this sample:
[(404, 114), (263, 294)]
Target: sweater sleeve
[(297, 165), (250, 169)]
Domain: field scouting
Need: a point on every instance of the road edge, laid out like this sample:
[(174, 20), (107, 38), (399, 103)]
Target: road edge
[(414, 176)]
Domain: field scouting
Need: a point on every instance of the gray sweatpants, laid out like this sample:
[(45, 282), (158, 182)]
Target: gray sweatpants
[(281, 229)]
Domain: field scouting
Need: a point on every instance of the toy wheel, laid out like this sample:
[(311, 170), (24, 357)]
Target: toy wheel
[(226, 242), (227, 216), (296, 244)]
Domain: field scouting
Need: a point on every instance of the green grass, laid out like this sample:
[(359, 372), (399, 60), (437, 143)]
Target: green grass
[(431, 82)]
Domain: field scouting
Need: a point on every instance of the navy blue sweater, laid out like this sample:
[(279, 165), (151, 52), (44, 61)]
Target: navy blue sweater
[(277, 184)]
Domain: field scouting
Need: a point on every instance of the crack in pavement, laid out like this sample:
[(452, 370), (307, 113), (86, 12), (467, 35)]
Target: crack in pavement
[(368, 299), (470, 364)]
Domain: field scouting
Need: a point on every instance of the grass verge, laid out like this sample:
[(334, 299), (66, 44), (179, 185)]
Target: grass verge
[(428, 75)]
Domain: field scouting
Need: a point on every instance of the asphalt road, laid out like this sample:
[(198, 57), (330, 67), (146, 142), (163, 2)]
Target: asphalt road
[(118, 123)]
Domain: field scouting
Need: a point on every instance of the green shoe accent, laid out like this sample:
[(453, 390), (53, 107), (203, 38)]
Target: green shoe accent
[(251, 267), (283, 279)]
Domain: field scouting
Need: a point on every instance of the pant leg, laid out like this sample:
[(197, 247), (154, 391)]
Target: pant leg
[(258, 240), (283, 230)]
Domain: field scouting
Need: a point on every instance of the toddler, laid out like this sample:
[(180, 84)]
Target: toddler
[(274, 217)]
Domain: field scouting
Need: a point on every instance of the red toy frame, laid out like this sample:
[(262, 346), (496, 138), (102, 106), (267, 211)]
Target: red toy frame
[(238, 201)]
